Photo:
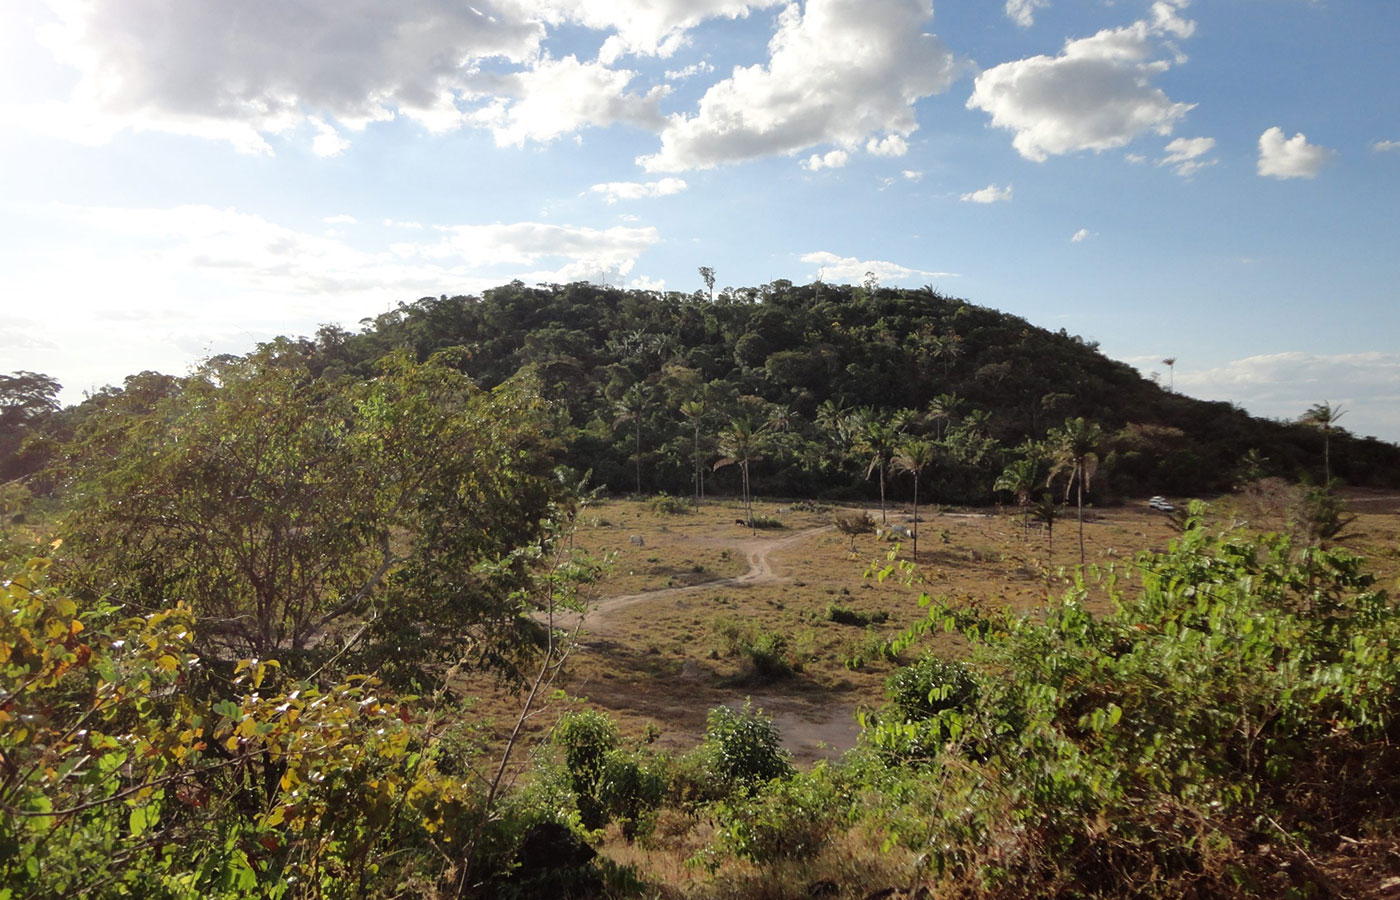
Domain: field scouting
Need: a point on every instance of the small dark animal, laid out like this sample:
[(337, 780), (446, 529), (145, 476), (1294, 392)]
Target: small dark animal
[(741, 522)]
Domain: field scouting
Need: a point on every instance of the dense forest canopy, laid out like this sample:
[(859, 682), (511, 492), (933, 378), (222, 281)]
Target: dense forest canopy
[(649, 382)]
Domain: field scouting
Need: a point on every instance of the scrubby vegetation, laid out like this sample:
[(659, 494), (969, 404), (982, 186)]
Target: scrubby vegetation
[(247, 611)]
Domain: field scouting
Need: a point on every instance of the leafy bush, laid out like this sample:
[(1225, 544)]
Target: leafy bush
[(587, 737), (665, 505), (1246, 694), (742, 750), (765, 654), (766, 522), (793, 818), (929, 686), (844, 615)]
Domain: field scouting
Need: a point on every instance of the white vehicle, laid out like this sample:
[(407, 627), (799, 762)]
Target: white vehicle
[(1160, 504)]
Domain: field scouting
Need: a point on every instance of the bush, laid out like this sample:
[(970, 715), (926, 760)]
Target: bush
[(766, 522), (1247, 694), (844, 615), (765, 654), (587, 737), (793, 818), (665, 505), (742, 749)]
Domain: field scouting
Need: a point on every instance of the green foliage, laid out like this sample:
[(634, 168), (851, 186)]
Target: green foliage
[(123, 778), (306, 518), (1249, 688), (853, 524), (765, 653), (666, 505), (742, 750), (792, 818), (766, 522), (587, 738), (929, 686), (844, 615)]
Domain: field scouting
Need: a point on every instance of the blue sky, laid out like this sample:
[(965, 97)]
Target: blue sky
[(1215, 182)]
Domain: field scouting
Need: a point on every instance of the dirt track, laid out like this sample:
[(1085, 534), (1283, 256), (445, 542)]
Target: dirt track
[(758, 550)]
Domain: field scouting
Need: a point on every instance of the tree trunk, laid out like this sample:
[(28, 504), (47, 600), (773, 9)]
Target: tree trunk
[(1080, 494), (916, 516), (639, 455), (883, 520), (699, 478)]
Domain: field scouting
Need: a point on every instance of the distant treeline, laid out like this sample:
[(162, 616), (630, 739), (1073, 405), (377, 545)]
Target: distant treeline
[(650, 382)]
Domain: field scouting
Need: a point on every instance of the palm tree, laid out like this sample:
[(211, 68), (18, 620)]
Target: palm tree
[(1170, 363), (740, 443), (1019, 479), (914, 457), (694, 411), (629, 409), (943, 409), (1324, 415), (877, 441), (1047, 512), (1075, 451)]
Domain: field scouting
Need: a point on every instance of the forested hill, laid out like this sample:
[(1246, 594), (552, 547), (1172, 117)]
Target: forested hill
[(809, 369)]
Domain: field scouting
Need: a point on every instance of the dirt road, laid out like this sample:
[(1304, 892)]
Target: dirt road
[(758, 550)]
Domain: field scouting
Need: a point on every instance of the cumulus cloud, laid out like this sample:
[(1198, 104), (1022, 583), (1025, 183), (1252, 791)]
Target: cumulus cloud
[(839, 72), (1184, 155), (1285, 384), (1079, 236), (850, 270), (1294, 157), (614, 191), (1382, 146), (1097, 94), (833, 160), (989, 194), (239, 72), (1022, 12), (650, 28), (891, 145), (561, 96)]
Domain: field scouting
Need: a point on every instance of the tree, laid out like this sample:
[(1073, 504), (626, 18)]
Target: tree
[(629, 409), (854, 524), (707, 275), (741, 444), (1075, 450), (26, 400), (1324, 415), (1170, 363), (914, 457), (877, 441), (1047, 512), (1019, 479), (306, 518)]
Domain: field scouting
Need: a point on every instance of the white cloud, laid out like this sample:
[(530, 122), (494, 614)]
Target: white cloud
[(912, 174), (614, 191), (839, 72), (648, 28), (690, 71), (989, 194), (850, 270), (833, 160), (1382, 146), (341, 219), (328, 141), (643, 283), (1285, 384), (1096, 95), (891, 145), (1184, 155), (561, 96), (395, 223), (1165, 18), (1294, 157), (1022, 12), (238, 70), (1079, 236)]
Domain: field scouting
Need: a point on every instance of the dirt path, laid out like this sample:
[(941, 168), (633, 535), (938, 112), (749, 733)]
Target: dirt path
[(759, 551)]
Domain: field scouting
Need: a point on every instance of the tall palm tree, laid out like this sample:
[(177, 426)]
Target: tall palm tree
[(629, 409), (941, 410), (878, 440), (694, 411), (741, 444), (1324, 415), (914, 457), (1075, 448), (1019, 479)]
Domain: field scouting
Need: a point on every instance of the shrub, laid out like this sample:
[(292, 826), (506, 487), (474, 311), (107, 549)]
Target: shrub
[(587, 737), (844, 615), (929, 686), (665, 505), (765, 654), (766, 522), (742, 749), (793, 818)]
